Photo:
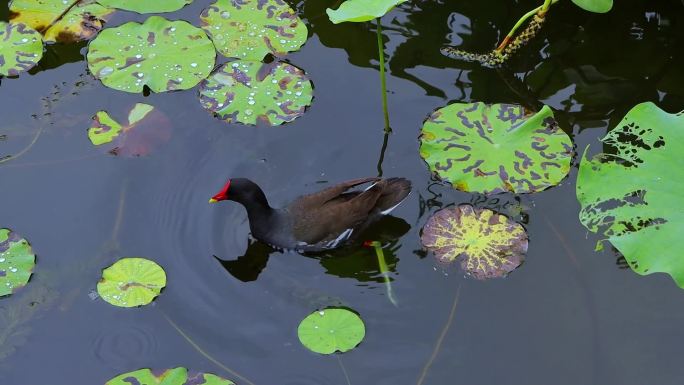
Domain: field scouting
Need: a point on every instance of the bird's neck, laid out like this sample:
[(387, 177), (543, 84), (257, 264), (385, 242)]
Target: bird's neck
[(258, 209)]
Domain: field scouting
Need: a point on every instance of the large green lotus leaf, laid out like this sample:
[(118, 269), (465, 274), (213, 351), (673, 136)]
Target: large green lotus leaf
[(496, 148), (487, 244), (331, 330), (597, 6), (249, 92), (146, 6), (21, 47), (131, 282), (161, 54), (63, 21), (176, 376), (16, 262), (146, 129), (361, 10), (250, 29), (632, 194)]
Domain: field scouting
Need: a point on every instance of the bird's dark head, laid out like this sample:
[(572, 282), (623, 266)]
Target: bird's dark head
[(240, 190)]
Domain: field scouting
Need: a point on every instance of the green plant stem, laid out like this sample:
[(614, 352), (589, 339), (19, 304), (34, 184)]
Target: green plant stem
[(383, 80), (25, 150), (344, 370), (541, 10), (384, 270)]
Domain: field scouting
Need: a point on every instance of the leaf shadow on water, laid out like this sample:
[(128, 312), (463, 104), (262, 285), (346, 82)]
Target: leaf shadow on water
[(349, 262)]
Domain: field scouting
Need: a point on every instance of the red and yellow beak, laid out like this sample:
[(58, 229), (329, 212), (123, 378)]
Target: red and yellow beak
[(212, 200)]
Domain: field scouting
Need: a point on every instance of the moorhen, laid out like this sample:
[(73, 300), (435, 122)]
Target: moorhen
[(319, 221)]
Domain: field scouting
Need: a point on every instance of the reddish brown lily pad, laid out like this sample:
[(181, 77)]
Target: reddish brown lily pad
[(486, 243)]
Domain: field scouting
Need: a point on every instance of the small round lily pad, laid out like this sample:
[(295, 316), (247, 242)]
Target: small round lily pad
[(176, 376), (16, 262), (146, 6), (131, 282), (330, 330), (21, 48), (487, 244), (496, 148), (250, 29), (252, 92), (161, 54)]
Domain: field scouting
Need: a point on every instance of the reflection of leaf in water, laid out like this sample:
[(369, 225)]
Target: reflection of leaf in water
[(632, 194), (63, 21)]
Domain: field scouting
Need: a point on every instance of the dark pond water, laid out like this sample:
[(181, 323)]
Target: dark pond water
[(569, 315)]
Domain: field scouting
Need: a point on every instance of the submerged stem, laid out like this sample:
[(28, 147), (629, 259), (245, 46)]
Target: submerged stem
[(344, 370), (27, 148), (383, 80)]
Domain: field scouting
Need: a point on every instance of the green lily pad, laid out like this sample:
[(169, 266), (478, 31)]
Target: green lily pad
[(63, 21), (146, 6), (21, 48), (330, 330), (250, 29), (597, 6), (131, 282), (146, 129), (249, 92), (161, 54), (176, 376), (632, 194), (487, 244), (496, 148), (16, 262), (361, 10)]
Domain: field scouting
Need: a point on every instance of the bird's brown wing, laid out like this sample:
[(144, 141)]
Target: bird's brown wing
[(318, 199), (337, 215)]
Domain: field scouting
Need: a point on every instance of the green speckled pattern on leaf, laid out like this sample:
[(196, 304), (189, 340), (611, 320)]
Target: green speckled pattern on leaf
[(176, 376), (21, 48), (64, 21), (131, 282), (164, 55), (633, 194), (16, 262), (251, 92), (250, 29), (487, 244), (146, 6), (361, 10), (496, 148), (331, 330)]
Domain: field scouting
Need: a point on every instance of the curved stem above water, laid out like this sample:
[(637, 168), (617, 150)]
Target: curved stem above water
[(383, 80)]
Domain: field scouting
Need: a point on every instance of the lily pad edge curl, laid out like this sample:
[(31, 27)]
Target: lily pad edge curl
[(495, 148), (487, 244)]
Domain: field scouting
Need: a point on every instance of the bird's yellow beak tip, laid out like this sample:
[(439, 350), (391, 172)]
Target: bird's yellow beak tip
[(212, 200)]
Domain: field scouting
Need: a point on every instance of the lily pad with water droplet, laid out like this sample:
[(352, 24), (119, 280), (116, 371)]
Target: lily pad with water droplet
[(361, 10), (632, 193), (331, 330), (250, 29), (21, 48), (146, 6), (16, 262), (161, 54), (63, 21), (146, 129), (496, 148), (251, 92), (131, 282), (487, 244), (176, 376)]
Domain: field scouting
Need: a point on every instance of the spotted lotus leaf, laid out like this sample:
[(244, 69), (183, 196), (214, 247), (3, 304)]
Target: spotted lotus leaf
[(16, 262), (161, 54), (487, 244), (496, 148), (131, 282), (146, 6), (176, 376), (250, 92), (330, 330), (63, 21), (632, 194), (21, 47), (250, 29), (146, 129), (361, 10)]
